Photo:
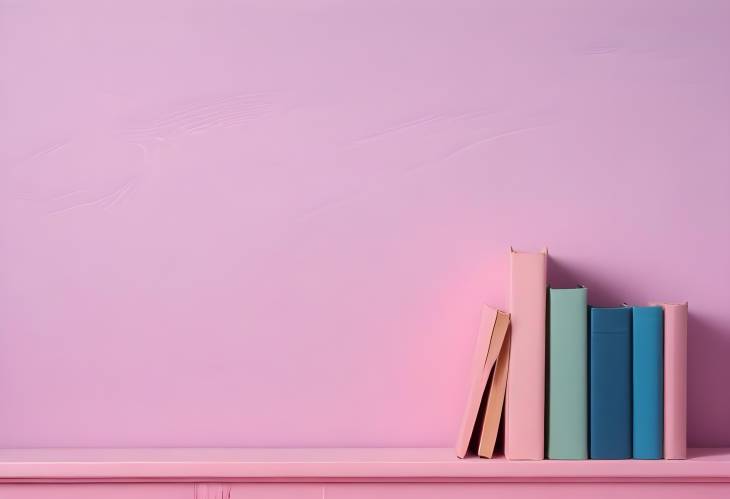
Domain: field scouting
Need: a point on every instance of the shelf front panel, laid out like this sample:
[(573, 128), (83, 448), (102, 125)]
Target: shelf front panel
[(97, 491), (336, 465)]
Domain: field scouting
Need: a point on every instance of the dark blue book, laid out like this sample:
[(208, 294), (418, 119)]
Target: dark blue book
[(648, 373), (610, 383)]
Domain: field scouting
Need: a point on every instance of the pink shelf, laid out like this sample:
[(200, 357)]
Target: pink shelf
[(98, 465)]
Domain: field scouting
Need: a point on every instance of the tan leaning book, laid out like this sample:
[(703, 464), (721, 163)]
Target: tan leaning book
[(495, 402), (490, 340)]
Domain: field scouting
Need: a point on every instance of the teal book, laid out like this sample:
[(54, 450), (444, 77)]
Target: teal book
[(648, 374), (610, 383), (567, 427)]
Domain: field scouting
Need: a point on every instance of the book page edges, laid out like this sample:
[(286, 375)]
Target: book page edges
[(495, 403)]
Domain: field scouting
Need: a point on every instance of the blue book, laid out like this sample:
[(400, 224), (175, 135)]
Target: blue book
[(610, 383), (648, 371)]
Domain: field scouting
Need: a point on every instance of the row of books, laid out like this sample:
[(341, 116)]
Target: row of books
[(575, 381)]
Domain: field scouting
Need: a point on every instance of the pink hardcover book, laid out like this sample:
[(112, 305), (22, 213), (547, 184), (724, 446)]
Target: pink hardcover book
[(675, 380), (492, 330), (525, 402)]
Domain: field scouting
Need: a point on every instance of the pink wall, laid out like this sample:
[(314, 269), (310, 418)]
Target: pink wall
[(272, 224)]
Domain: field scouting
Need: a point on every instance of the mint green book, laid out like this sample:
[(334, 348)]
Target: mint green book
[(567, 425)]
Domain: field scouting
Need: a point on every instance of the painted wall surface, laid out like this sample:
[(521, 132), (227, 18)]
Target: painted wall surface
[(272, 223)]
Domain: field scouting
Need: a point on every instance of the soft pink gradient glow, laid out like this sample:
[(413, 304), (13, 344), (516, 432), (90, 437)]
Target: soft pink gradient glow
[(273, 223)]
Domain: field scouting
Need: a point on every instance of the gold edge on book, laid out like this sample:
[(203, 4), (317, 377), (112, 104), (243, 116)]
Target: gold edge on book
[(499, 331), (495, 403)]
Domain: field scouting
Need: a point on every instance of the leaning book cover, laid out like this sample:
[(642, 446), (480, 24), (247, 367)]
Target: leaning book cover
[(482, 416)]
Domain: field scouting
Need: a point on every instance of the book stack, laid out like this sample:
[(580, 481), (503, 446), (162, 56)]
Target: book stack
[(575, 381)]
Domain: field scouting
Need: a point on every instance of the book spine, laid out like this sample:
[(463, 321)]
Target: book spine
[(675, 381), (567, 426), (525, 403), (648, 375), (610, 383)]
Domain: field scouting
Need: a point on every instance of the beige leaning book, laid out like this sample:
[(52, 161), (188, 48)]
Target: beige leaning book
[(495, 402), (492, 332)]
